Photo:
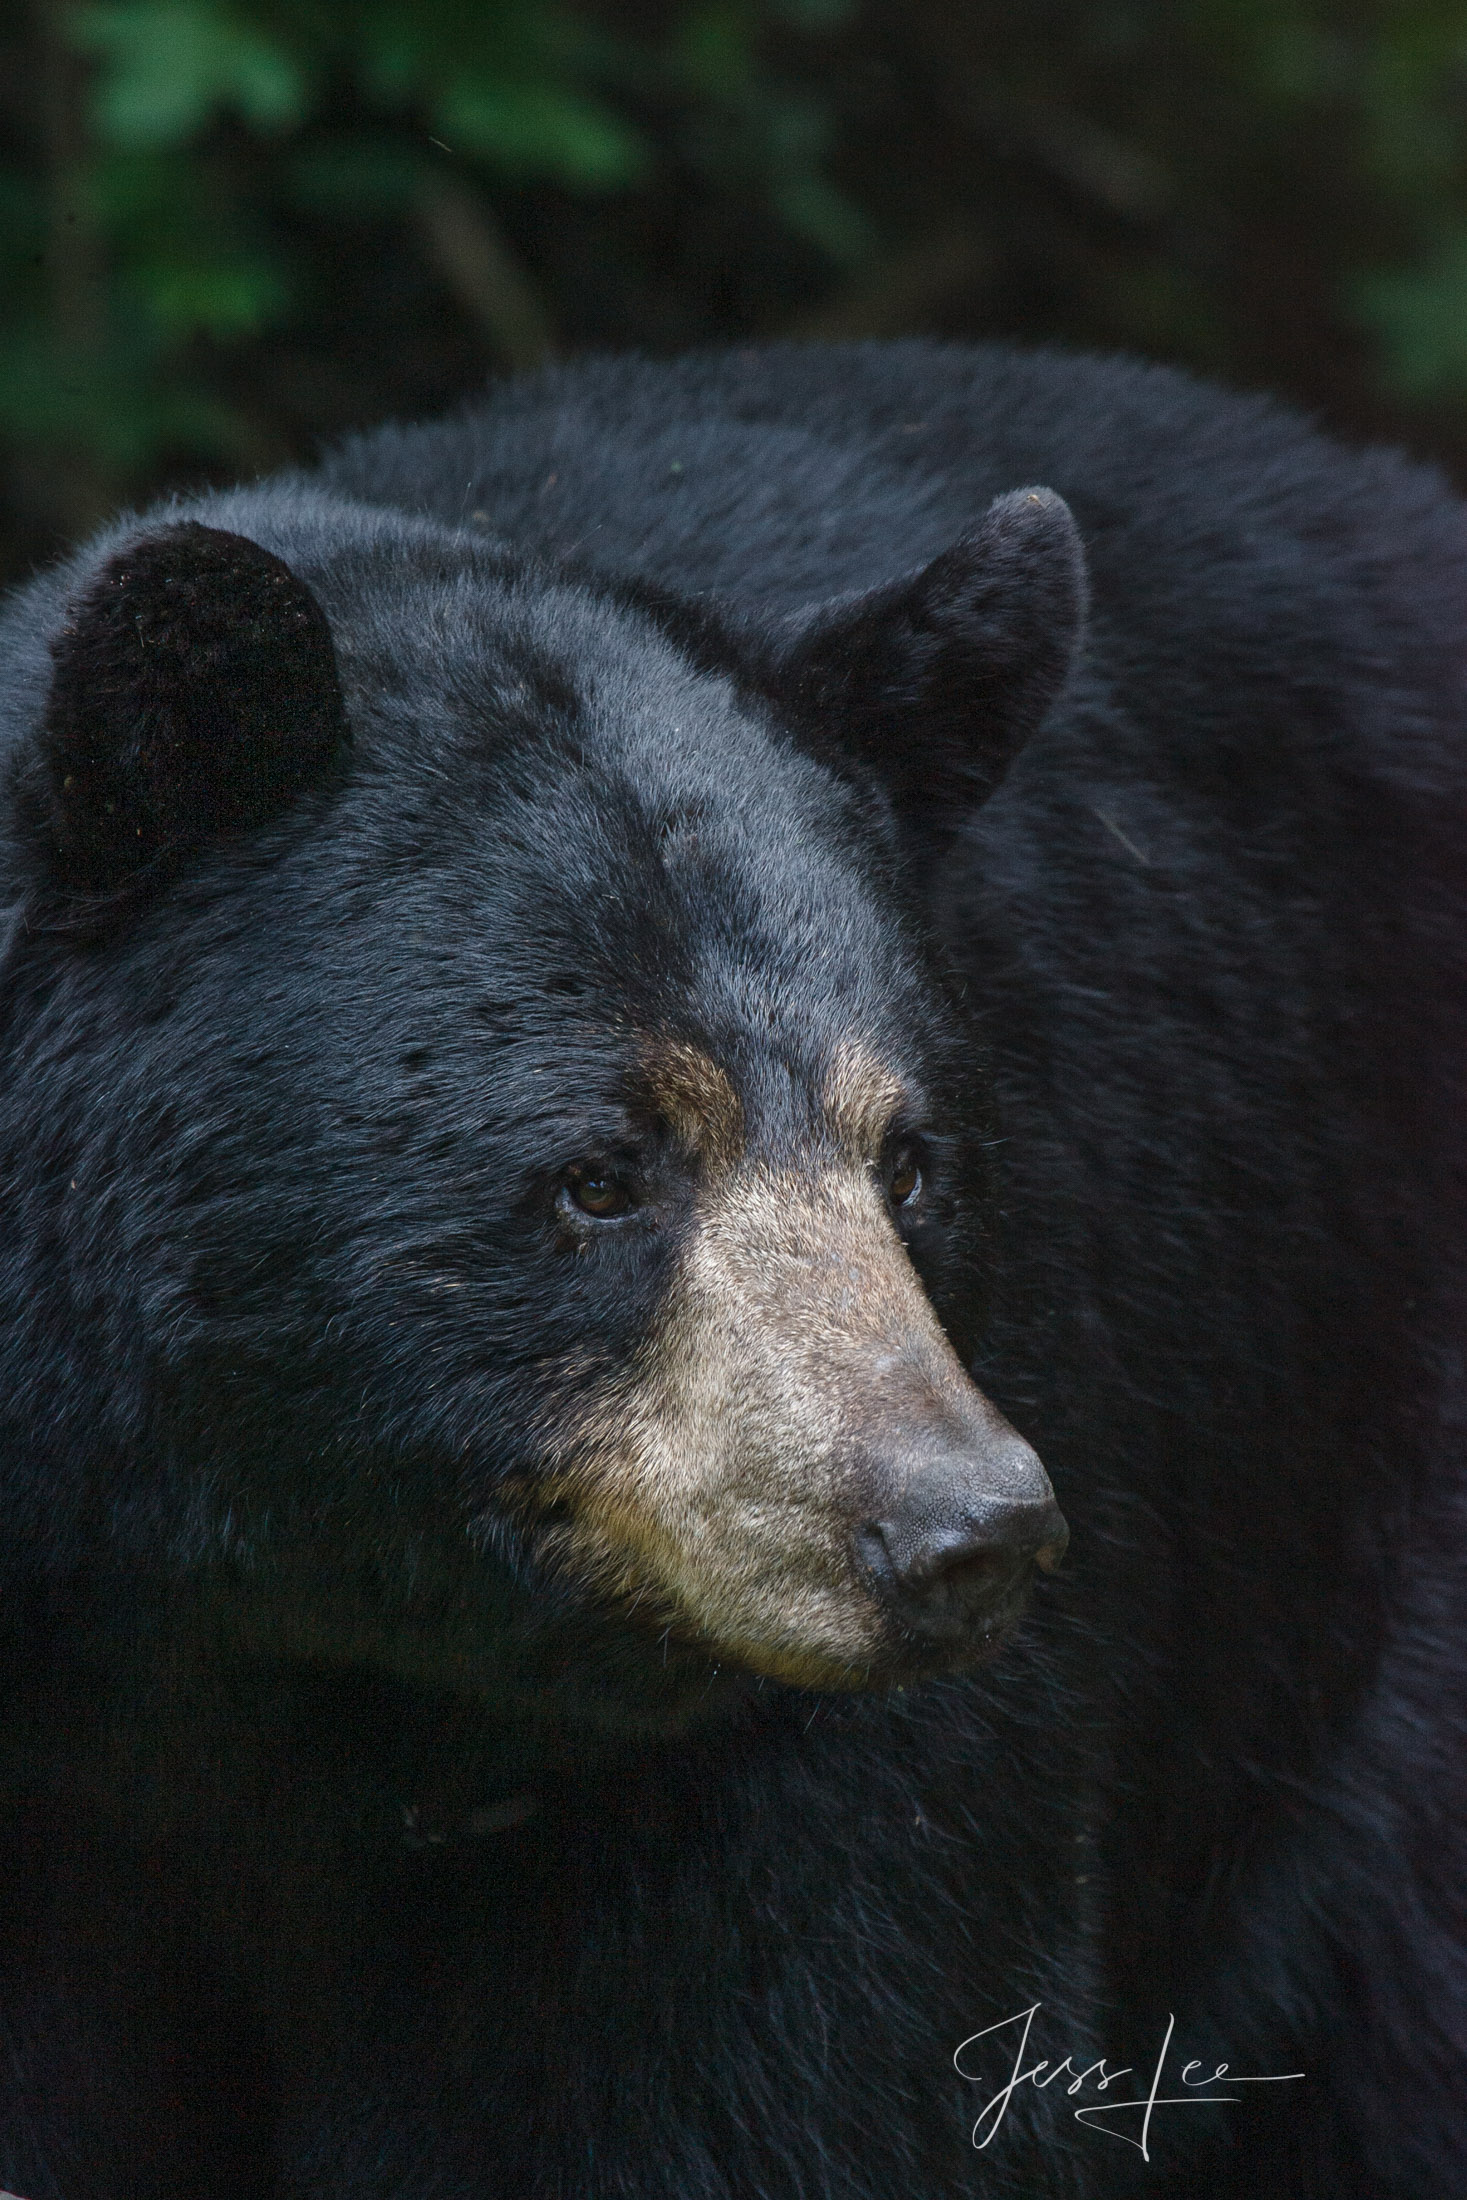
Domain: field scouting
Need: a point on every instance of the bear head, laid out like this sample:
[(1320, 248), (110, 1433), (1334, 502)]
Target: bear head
[(497, 1172)]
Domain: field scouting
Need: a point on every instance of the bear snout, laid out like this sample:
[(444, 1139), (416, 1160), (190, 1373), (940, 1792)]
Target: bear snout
[(951, 1549), (956, 1571)]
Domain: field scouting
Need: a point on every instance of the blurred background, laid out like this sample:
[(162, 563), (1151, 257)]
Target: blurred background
[(230, 229)]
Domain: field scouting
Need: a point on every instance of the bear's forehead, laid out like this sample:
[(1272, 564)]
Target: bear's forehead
[(720, 915), (615, 816), (723, 943)]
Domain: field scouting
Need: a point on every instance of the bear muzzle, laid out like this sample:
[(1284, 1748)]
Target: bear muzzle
[(798, 1474)]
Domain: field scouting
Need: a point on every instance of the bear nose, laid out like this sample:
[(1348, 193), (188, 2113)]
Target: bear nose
[(954, 1553)]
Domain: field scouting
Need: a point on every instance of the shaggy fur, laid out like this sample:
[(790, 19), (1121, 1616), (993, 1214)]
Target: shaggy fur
[(361, 1841)]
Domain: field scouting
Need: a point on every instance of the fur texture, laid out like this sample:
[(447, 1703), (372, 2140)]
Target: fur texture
[(368, 1834)]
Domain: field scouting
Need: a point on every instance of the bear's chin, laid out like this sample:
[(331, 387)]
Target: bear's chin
[(516, 1655)]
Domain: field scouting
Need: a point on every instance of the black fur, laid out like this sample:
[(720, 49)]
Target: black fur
[(194, 692), (347, 1853), (974, 648)]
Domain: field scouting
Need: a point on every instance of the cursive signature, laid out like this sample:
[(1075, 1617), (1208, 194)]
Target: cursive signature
[(1101, 2077)]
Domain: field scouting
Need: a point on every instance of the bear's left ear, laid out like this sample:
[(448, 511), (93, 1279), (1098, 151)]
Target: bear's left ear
[(935, 682), (194, 692)]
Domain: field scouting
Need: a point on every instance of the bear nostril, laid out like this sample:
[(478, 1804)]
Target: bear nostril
[(1049, 1553), (993, 1537), (954, 1574)]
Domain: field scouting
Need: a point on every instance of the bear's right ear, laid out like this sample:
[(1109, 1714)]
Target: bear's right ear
[(934, 682), (194, 693)]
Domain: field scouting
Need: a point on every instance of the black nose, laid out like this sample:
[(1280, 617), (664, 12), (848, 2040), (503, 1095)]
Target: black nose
[(955, 1552)]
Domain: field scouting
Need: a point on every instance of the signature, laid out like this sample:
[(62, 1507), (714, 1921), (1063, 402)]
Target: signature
[(1101, 2076)]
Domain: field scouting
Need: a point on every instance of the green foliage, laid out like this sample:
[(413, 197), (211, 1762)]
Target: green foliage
[(209, 128), (1379, 86), (227, 226), (1418, 314), (166, 67)]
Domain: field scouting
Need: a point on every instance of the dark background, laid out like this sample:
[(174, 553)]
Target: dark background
[(228, 231)]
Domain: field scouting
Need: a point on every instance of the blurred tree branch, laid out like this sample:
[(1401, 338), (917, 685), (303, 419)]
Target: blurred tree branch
[(72, 253), (1122, 177), (901, 292), (468, 248)]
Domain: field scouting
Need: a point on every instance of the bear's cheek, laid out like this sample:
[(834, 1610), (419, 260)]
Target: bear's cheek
[(720, 1486)]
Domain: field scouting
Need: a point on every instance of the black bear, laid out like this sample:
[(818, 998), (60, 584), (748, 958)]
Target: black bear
[(731, 1306)]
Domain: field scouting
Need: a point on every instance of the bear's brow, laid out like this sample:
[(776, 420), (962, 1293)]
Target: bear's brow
[(696, 1098), (861, 1096)]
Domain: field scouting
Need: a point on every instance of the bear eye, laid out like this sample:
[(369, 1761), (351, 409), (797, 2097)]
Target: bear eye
[(904, 1177), (596, 1192)]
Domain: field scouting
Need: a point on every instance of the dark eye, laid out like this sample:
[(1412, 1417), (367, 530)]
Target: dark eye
[(904, 1177), (596, 1192)]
